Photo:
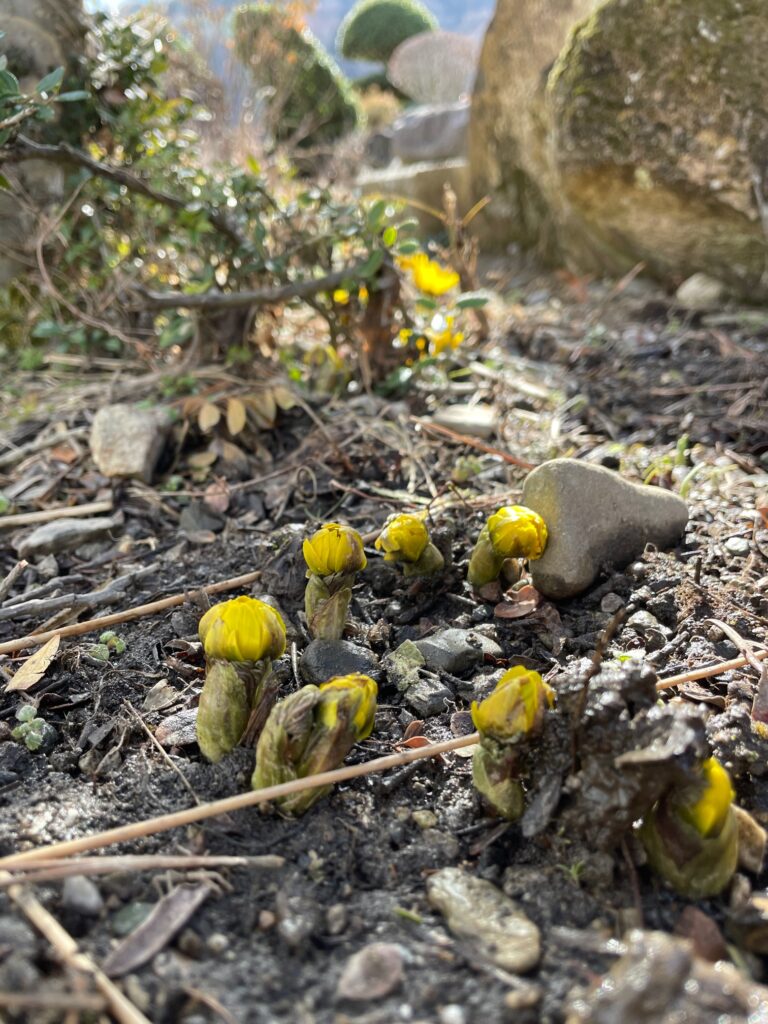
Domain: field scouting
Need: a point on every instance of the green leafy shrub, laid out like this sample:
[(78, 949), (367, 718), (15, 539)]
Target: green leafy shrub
[(374, 29), (309, 99)]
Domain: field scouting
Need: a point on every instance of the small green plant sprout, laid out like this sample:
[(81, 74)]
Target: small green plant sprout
[(514, 712), (333, 554), (312, 731), (32, 731), (691, 834), (514, 532), (405, 540), (113, 643), (241, 638)]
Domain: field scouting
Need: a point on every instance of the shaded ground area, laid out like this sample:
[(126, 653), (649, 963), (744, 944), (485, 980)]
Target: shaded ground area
[(615, 377)]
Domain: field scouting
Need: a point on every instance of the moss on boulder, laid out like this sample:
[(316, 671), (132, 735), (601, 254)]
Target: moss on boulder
[(646, 140)]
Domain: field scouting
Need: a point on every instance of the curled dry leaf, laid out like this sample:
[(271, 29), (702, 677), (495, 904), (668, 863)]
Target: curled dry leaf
[(518, 603), (217, 496), (35, 667)]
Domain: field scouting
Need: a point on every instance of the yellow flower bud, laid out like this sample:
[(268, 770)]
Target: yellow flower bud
[(353, 696), (242, 629), (312, 731), (691, 834), (517, 532), (403, 538), (427, 275), (334, 548), (516, 706)]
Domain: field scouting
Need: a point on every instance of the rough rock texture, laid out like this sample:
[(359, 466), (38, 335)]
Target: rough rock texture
[(456, 650), (659, 138), (595, 518), (645, 140), (65, 534), (324, 659), (431, 133), (40, 35), (127, 442), (659, 981), (479, 912), (520, 45)]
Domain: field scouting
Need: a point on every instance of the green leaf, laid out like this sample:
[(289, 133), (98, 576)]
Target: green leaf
[(51, 81), (4, 136), (372, 264), (45, 114), (3, 62), (5, 185), (376, 213), (426, 303), (9, 84), (73, 97), (471, 300), (407, 247), (390, 236)]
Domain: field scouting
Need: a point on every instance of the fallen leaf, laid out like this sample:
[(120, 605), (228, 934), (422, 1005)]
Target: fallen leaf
[(264, 407), (415, 741), (284, 398), (201, 460), (518, 603), (208, 416), (35, 667), (761, 504), (412, 729), (236, 416), (168, 916), (63, 453)]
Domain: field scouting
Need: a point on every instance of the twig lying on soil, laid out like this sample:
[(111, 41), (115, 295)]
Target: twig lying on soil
[(473, 442), (76, 602), (91, 625), (69, 953), (11, 578), (79, 1002), (48, 515), (51, 870), (152, 826), (708, 671), (14, 455)]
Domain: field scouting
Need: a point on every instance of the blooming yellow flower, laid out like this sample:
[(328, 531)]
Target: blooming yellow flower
[(708, 813), (403, 539), (439, 341), (515, 707), (242, 629), (341, 296), (334, 548), (428, 275), (353, 696), (517, 532)]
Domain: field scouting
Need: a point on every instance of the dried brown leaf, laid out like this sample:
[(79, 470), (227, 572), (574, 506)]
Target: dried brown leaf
[(284, 397), (202, 460), (264, 407), (169, 915), (35, 667), (217, 496), (236, 416), (208, 416)]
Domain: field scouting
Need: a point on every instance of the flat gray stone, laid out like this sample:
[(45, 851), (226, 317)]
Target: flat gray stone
[(595, 519), (324, 659), (427, 697), (127, 441), (65, 534), (456, 650), (476, 910)]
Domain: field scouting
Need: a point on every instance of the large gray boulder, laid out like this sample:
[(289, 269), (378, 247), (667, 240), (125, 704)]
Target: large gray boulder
[(628, 130)]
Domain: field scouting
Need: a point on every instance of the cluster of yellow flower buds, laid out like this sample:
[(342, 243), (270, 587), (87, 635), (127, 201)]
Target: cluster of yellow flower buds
[(691, 834), (514, 532), (333, 554), (312, 731), (241, 638), (405, 540), (513, 713)]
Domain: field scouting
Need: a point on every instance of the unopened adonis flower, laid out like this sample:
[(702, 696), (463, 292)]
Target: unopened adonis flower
[(405, 540), (691, 834), (312, 731), (333, 554), (513, 532), (241, 638)]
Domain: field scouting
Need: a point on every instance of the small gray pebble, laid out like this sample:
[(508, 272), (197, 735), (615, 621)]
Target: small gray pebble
[(81, 896), (611, 603), (738, 546)]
